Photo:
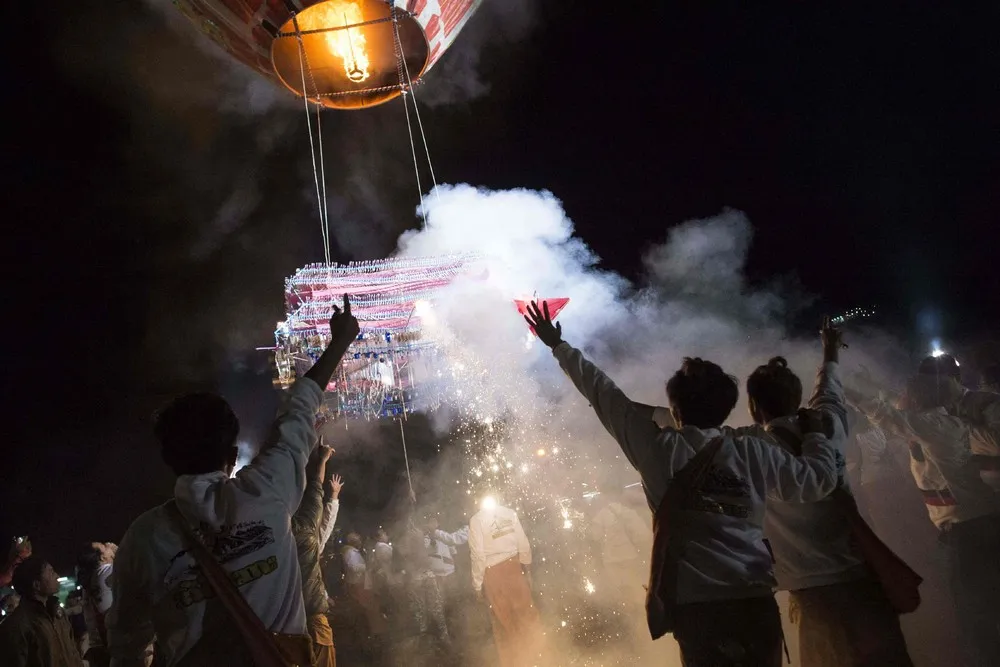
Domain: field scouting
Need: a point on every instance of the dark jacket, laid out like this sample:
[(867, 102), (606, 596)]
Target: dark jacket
[(38, 635)]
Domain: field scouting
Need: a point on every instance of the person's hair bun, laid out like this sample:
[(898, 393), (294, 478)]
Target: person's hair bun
[(777, 362)]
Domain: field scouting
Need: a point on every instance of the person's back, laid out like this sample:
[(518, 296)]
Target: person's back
[(811, 541), (244, 520), (845, 618)]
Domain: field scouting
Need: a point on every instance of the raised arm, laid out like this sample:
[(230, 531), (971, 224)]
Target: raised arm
[(129, 623), (331, 508), (828, 393), (458, 538), (307, 520), (280, 467)]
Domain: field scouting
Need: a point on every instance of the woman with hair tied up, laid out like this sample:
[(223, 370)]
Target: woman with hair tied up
[(844, 617), (715, 570)]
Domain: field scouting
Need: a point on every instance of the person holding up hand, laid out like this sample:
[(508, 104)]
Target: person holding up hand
[(713, 571), (243, 520)]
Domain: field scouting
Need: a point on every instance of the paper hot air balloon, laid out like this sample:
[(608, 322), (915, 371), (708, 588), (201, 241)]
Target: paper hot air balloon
[(342, 54)]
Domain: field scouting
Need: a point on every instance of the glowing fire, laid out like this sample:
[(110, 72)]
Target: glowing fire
[(348, 44)]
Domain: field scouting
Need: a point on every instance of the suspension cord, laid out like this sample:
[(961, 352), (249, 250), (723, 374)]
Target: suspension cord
[(406, 457), (420, 123), (400, 65), (320, 196), (325, 210)]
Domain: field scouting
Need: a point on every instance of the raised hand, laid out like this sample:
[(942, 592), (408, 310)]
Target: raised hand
[(833, 340), (336, 483), (541, 321), (344, 330), (343, 325)]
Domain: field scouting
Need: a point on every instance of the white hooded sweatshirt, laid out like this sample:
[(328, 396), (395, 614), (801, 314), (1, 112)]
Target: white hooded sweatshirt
[(724, 556), (245, 521)]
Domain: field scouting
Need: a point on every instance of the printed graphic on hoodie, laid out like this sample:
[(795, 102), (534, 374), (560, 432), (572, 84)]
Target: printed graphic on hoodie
[(232, 542), (726, 483)]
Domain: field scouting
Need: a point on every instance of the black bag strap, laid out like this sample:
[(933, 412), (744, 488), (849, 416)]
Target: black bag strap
[(689, 478)]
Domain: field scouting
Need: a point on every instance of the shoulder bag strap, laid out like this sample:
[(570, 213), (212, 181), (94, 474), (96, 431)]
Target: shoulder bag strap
[(258, 638)]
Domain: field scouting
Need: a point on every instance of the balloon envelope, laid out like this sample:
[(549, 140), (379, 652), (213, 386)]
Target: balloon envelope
[(342, 54)]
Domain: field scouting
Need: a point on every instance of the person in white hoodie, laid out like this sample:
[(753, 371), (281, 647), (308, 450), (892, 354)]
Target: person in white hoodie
[(726, 614), (244, 520), (844, 618)]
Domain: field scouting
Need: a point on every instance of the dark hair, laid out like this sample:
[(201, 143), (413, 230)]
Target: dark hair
[(197, 433), (702, 394), (943, 364), (26, 574), (775, 389)]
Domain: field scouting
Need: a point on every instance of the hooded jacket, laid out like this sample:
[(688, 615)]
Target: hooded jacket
[(724, 555), (246, 523)]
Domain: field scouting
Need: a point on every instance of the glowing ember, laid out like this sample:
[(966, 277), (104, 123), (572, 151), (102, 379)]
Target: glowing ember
[(348, 44), (541, 452), (589, 586)]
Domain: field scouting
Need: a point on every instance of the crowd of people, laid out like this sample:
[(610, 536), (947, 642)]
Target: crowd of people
[(234, 569)]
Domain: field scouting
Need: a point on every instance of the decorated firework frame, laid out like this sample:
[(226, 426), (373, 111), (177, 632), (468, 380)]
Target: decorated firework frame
[(385, 370)]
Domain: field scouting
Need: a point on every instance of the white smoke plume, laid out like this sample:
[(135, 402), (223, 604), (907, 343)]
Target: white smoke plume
[(528, 435)]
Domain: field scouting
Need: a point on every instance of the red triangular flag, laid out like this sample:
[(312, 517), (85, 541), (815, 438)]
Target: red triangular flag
[(555, 305)]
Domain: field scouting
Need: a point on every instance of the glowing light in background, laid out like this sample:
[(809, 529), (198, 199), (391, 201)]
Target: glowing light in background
[(489, 503)]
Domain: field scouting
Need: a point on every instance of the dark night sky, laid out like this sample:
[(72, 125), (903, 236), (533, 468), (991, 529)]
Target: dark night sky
[(154, 216)]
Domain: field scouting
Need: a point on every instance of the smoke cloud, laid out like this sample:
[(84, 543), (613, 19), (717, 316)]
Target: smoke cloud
[(512, 426)]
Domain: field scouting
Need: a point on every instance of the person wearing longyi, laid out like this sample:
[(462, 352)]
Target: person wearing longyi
[(501, 574)]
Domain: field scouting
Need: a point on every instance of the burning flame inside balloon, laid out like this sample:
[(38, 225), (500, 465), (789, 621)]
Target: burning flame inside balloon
[(347, 44)]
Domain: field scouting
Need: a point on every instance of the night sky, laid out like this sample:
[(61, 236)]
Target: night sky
[(155, 205)]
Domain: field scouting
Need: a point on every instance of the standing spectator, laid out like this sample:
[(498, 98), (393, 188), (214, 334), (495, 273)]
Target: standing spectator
[(844, 616), (93, 571), (312, 524), (37, 633), (243, 519), (359, 584), (501, 573)]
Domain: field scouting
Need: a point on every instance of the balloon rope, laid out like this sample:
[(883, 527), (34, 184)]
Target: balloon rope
[(400, 61), (323, 226), (420, 123), (406, 458), (322, 176)]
